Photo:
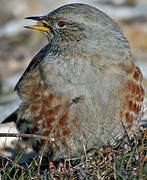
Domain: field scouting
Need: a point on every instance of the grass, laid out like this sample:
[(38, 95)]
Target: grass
[(127, 159)]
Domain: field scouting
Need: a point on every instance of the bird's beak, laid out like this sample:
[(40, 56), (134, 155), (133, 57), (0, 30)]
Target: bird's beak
[(42, 24)]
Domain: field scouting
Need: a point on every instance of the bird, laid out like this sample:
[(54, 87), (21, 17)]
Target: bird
[(83, 88)]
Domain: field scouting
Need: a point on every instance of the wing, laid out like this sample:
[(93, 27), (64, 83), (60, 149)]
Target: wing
[(11, 118), (31, 70)]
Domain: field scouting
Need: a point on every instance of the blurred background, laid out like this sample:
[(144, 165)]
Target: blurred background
[(19, 45)]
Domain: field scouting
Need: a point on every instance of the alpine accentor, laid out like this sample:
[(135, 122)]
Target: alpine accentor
[(81, 87)]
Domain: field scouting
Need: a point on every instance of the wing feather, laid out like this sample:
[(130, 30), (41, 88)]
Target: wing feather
[(32, 66)]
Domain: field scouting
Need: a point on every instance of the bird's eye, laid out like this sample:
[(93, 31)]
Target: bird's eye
[(61, 23)]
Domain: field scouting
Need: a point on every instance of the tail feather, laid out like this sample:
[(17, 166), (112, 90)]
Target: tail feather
[(11, 118), (143, 123)]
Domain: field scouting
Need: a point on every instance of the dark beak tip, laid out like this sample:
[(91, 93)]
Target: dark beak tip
[(35, 18), (28, 17)]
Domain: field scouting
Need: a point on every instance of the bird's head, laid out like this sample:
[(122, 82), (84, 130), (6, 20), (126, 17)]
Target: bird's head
[(82, 27), (67, 23)]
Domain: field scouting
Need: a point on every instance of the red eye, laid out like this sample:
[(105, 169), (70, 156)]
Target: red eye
[(61, 23)]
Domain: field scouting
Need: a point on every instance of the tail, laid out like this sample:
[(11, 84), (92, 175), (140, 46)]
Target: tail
[(11, 118), (143, 123)]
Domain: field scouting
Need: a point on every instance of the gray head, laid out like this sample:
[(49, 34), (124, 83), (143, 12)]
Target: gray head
[(85, 29)]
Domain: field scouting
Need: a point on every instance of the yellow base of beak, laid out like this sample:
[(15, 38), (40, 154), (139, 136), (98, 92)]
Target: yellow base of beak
[(40, 26)]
